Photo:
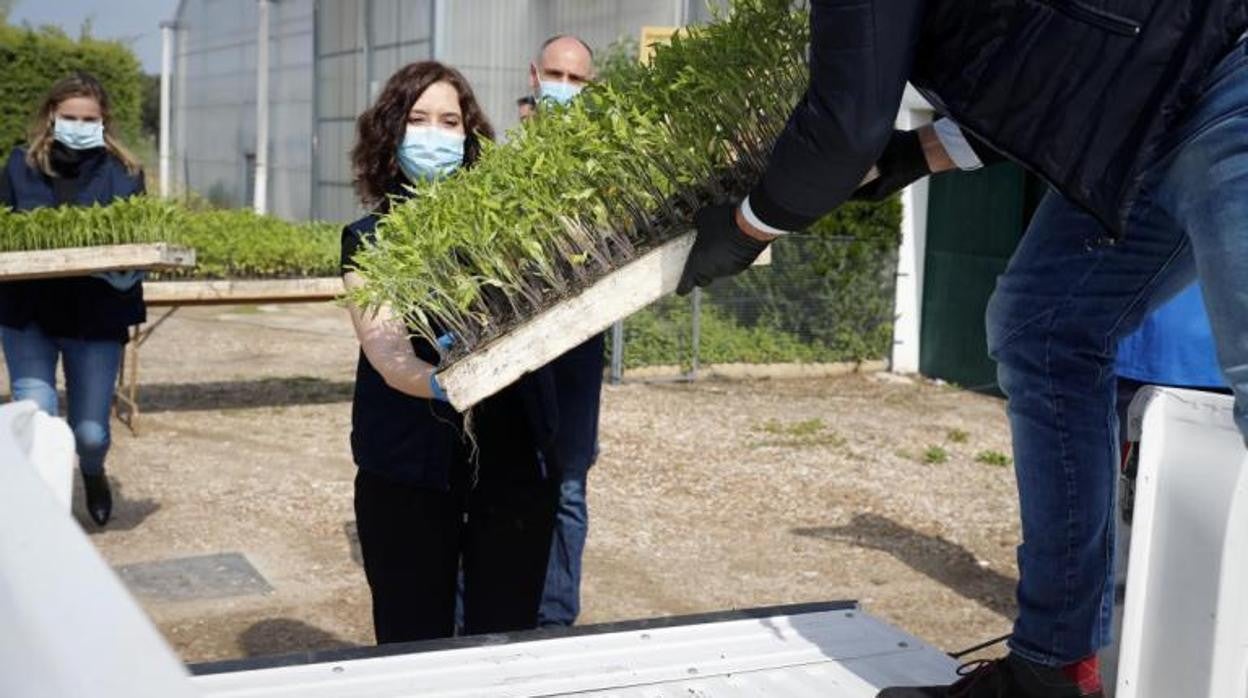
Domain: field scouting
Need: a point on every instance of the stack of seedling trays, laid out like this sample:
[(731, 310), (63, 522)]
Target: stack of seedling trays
[(583, 216)]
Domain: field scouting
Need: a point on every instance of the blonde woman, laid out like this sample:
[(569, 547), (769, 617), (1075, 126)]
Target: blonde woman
[(73, 158)]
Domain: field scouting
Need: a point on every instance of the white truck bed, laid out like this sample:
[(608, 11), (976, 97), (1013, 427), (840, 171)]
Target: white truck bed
[(830, 650)]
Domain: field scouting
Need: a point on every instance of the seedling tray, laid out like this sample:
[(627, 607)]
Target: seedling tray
[(566, 324), (82, 261)]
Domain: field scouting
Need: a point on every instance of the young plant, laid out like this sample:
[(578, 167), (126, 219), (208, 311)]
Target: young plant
[(582, 190), (228, 243)]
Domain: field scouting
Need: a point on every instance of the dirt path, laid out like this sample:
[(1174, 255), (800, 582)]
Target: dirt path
[(707, 496)]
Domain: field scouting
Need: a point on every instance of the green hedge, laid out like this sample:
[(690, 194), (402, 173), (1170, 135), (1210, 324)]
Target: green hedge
[(827, 296), (31, 60)]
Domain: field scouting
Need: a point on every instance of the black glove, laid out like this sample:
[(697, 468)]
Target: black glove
[(720, 248), (901, 163)]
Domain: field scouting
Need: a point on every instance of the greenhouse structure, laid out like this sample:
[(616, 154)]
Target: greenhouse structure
[(326, 59)]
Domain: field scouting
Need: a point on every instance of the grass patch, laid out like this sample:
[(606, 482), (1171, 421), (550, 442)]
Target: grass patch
[(935, 455), (957, 436), (996, 458), (807, 432)]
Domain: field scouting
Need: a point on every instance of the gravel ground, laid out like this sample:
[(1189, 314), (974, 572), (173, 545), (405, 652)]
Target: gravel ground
[(707, 496)]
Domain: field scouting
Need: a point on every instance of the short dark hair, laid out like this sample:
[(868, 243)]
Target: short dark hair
[(557, 37)]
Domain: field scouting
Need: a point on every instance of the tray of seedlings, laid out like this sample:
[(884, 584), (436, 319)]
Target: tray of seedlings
[(584, 215), (131, 234)]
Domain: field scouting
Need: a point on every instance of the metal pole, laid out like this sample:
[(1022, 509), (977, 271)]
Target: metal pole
[(696, 330), (261, 203), (366, 53), (437, 51), (314, 144), (617, 352), (166, 106)]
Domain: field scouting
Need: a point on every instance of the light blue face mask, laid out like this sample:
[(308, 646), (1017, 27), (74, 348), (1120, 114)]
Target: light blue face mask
[(430, 153), (79, 135), (557, 92)]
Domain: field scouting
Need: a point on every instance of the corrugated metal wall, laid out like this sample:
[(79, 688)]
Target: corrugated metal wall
[(493, 41), (331, 57), (215, 103), (359, 44)]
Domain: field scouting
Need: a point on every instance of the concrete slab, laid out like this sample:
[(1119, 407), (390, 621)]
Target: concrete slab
[(215, 576)]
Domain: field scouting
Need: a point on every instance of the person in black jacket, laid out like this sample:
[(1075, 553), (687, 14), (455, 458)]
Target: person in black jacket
[(426, 505), (1133, 111), (563, 66), (73, 158)]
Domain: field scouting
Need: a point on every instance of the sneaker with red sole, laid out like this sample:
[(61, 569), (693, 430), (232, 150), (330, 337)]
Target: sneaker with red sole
[(1012, 677)]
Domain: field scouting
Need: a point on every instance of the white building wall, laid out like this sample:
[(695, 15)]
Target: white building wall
[(215, 102)]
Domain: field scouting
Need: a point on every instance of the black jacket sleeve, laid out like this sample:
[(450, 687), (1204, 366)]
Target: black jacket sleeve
[(861, 55)]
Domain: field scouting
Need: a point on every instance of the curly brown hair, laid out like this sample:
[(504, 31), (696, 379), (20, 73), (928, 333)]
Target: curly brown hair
[(380, 129)]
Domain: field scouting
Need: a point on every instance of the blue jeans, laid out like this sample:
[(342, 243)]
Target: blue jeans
[(561, 599), (1053, 326), (90, 373)]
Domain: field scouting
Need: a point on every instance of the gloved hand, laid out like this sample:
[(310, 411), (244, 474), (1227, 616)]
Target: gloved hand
[(445, 342), (439, 393), (720, 248), (901, 163), (121, 280)]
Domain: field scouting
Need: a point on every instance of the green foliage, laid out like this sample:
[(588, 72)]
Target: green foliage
[(241, 244), (31, 60), (996, 458), (660, 335), (832, 285), (137, 219), (150, 106), (581, 190), (957, 436), (228, 243), (935, 455), (619, 59)]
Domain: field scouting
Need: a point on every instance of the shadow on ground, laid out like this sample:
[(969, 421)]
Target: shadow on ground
[(945, 562), (274, 636), (225, 395)]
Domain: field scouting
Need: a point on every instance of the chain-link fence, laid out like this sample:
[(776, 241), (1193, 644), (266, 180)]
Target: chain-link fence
[(823, 298)]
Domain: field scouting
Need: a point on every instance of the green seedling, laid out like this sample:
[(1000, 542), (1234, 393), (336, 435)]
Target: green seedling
[(579, 191)]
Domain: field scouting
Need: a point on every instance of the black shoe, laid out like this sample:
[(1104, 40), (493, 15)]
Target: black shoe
[(1011, 677), (99, 497)]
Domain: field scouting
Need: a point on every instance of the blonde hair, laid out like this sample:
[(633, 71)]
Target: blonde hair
[(40, 139)]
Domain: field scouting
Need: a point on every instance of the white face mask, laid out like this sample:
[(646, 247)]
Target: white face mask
[(79, 135), (557, 92), (429, 152)]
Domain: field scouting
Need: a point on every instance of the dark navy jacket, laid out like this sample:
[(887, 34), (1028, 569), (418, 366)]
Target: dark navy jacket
[(422, 442), (1082, 92), (578, 387), (79, 307)]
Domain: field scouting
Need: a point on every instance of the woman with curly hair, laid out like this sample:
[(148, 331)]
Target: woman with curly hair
[(427, 503)]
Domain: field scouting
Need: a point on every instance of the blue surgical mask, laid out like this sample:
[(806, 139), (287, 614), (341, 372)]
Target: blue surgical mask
[(79, 135), (557, 92), (430, 153)]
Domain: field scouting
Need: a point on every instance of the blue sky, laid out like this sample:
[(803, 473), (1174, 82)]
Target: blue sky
[(135, 22)]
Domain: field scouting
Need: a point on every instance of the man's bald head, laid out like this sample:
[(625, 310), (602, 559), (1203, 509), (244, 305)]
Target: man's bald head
[(562, 58)]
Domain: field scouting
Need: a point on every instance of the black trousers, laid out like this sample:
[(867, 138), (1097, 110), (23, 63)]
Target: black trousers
[(414, 541)]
